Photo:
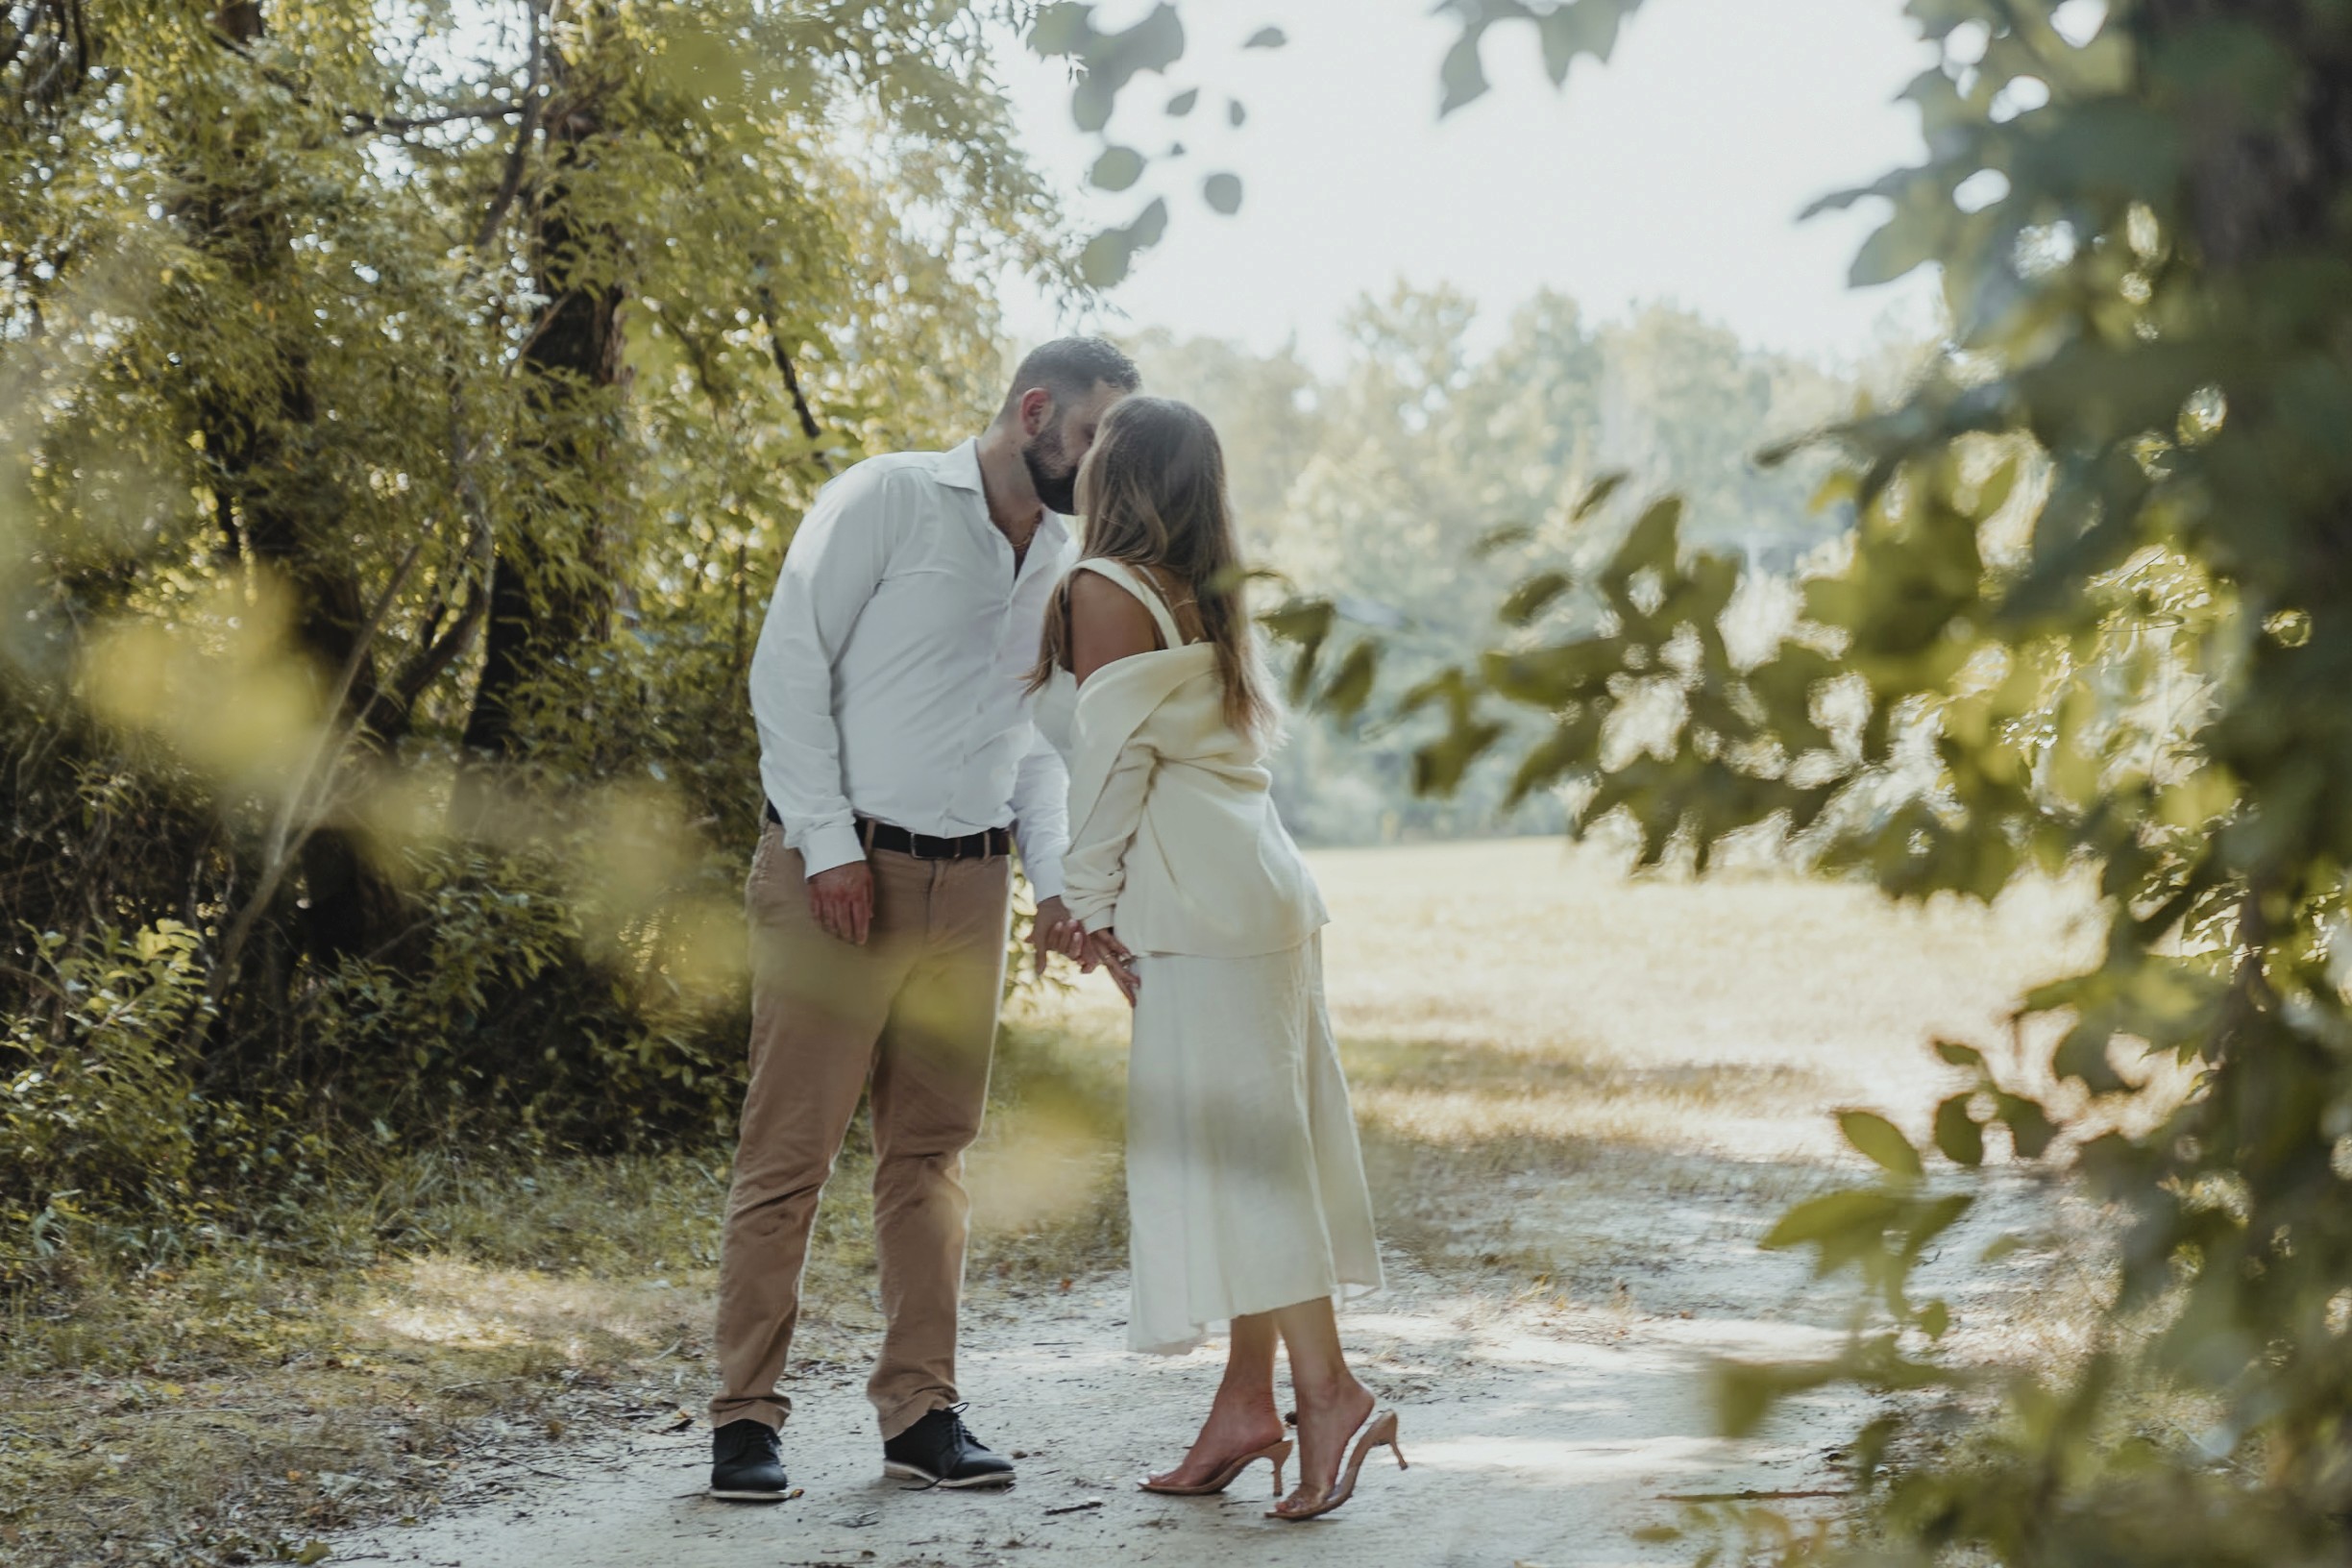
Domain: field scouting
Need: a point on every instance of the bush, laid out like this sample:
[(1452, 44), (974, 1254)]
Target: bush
[(97, 1101)]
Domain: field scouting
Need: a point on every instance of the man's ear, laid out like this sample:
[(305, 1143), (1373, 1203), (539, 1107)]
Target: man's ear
[(1036, 410)]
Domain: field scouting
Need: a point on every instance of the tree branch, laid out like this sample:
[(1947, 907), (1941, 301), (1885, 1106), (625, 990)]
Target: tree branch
[(361, 123), (534, 102), (452, 645), (784, 364)]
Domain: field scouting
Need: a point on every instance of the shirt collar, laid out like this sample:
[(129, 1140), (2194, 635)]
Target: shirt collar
[(959, 467)]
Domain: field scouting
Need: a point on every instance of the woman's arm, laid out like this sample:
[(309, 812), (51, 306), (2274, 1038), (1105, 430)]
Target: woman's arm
[(1107, 623)]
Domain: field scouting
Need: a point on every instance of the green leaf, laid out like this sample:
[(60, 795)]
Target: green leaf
[(1959, 1055), (1957, 1132), (1463, 76), (1182, 104), (1581, 27), (1118, 168), (1532, 597), (1439, 767), (1880, 1139), (2029, 1126), (1268, 37), (1501, 536), (1234, 113), (1903, 243), (1109, 254), (1308, 623), (1223, 193), (1744, 1396), (2083, 1054), (1063, 29), (1572, 744), (1654, 542), (1855, 1211), (1550, 678), (1351, 685), (1113, 60), (1935, 1318), (1301, 620), (1597, 494)]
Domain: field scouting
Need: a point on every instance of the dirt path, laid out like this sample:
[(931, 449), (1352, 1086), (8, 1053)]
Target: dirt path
[(1591, 1097), (1538, 1435)]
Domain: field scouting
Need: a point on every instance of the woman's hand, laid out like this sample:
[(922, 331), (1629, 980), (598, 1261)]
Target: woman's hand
[(1104, 948)]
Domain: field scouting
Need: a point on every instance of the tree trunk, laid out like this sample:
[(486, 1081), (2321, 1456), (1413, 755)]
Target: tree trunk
[(552, 592), (271, 504)]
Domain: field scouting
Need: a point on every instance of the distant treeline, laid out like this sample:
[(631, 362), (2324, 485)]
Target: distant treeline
[(1387, 484)]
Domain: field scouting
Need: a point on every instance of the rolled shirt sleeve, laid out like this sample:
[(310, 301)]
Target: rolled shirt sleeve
[(835, 562), (1040, 816)]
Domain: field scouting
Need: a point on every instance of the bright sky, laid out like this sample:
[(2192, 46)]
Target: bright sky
[(1673, 173)]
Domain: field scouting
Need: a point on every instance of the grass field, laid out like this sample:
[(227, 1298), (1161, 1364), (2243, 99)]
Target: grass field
[(1567, 1081), (1519, 1019)]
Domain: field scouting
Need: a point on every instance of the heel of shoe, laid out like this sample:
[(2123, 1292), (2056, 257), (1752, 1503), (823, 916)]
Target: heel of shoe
[(1388, 1435), (1280, 1454)]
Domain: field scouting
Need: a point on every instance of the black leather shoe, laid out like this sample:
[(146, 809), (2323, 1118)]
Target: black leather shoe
[(747, 1463), (942, 1451)]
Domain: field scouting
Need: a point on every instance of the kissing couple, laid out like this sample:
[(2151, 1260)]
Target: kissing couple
[(944, 672)]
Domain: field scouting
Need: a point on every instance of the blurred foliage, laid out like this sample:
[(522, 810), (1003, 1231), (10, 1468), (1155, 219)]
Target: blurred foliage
[(404, 409), (2094, 616)]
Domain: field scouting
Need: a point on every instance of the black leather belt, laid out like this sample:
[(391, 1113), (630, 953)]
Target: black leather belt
[(873, 835)]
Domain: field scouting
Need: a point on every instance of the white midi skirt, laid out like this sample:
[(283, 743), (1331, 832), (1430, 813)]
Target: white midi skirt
[(1245, 1185)]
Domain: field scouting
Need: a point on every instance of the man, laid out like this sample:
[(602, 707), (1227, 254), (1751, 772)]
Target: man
[(899, 762)]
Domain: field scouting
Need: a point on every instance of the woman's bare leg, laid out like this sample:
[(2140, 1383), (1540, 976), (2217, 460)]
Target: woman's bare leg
[(1331, 1404), (1244, 1418)]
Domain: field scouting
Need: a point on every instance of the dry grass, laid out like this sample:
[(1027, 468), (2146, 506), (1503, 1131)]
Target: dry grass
[(434, 1332), (1562, 1077)]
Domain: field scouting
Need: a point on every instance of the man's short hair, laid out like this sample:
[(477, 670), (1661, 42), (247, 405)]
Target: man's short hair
[(1072, 367)]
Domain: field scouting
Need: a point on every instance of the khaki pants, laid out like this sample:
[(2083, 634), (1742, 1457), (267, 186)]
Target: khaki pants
[(913, 1010)]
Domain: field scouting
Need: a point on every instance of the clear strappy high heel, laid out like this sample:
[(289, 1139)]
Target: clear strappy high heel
[(1378, 1429), (1279, 1453)]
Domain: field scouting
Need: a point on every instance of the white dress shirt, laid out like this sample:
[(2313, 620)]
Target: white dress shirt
[(890, 672)]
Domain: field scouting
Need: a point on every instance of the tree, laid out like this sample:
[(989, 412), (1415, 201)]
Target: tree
[(370, 407), (1418, 482)]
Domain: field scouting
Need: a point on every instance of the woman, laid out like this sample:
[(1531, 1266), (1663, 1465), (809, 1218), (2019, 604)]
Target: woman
[(1246, 1195)]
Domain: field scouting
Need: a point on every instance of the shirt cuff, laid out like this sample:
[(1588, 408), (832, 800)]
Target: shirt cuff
[(829, 844), (1045, 877)]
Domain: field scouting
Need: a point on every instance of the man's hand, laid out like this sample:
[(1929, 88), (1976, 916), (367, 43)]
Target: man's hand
[(1053, 931), (843, 900)]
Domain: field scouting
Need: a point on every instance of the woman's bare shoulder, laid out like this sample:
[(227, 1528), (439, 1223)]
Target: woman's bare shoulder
[(1107, 623)]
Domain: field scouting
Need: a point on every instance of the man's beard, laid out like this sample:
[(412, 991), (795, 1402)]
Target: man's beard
[(1051, 473)]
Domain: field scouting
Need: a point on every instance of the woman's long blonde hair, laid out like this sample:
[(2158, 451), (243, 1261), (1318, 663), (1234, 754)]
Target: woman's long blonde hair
[(1153, 492)]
